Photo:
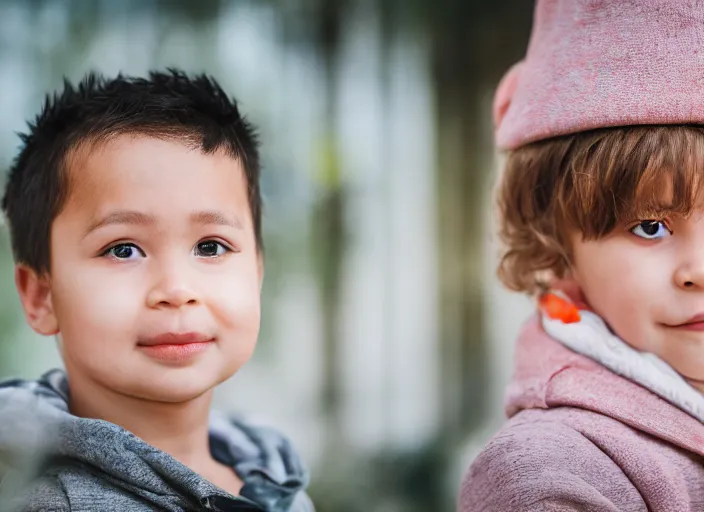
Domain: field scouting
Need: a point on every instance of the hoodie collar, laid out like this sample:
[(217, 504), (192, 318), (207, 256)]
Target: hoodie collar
[(548, 374), (591, 337), (39, 425)]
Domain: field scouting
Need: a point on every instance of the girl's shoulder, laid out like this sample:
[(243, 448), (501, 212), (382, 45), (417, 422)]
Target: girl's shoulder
[(578, 459), (534, 461)]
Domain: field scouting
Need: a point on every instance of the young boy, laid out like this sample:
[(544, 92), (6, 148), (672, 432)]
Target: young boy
[(135, 217)]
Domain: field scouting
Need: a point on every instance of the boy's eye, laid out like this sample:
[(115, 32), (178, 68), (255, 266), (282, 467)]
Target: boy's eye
[(651, 229), (124, 252), (210, 249)]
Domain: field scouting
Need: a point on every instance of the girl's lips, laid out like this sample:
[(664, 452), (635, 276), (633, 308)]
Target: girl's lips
[(695, 323), (692, 326)]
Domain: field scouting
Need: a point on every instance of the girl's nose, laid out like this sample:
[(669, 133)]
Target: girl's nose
[(690, 276)]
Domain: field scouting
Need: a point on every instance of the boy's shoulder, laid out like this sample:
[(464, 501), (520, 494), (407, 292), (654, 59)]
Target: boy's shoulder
[(65, 485), (79, 459), (574, 459), (44, 493), (125, 474)]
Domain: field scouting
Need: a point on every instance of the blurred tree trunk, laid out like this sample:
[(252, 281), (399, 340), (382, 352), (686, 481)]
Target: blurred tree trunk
[(472, 44), (329, 216)]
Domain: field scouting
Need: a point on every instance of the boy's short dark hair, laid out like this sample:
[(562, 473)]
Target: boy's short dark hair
[(165, 105)]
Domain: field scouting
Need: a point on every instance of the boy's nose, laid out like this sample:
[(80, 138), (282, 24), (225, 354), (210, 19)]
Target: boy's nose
[(172, 293), (174, 298)]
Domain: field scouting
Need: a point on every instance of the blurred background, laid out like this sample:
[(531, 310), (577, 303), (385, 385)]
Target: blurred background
[(386, 339)]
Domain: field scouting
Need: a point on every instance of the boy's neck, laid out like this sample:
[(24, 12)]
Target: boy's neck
[(179, 429)]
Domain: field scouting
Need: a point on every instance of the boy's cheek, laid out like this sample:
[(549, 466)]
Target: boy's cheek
[(237, 312)]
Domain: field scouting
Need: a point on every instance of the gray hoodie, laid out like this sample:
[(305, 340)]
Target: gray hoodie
[(85, 464)]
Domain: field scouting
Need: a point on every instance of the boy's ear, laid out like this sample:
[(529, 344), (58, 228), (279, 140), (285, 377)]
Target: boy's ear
[(35, 295)]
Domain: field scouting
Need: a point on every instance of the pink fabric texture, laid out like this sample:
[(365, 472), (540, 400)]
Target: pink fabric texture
[(600, 63), (580, 437)]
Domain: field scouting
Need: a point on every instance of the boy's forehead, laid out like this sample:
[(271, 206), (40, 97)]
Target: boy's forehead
[(140, 170), (144, 150)]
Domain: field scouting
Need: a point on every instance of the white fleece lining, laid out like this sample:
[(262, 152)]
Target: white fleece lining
[(592, 338)]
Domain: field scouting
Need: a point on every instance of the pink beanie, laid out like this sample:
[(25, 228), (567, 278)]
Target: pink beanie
[(599, 63)]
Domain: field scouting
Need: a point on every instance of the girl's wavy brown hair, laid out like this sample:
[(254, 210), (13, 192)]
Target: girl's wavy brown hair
[(590, 183)]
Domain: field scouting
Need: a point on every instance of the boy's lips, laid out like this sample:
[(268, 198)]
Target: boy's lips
[(172, 338), (175, 348)]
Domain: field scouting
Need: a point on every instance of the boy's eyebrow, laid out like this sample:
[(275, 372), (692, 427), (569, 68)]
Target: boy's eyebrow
[(138, 218), (121, 217), (215, 217)]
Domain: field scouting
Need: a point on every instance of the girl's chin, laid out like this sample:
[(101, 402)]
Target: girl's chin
[(697, 384)]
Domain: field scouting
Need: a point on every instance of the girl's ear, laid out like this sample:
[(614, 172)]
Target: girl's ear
[(570, 287), (35, 294)]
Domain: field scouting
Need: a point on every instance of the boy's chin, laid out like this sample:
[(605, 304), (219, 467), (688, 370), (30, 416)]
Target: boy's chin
[(177, 385)]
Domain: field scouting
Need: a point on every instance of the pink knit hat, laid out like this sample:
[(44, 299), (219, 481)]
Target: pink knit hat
[(598, 63)]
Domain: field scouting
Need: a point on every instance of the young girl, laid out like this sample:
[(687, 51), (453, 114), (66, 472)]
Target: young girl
[(602, 215)]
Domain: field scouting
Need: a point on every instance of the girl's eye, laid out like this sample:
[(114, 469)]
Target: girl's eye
[(651, 230), (210, 249), (124, 252)]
